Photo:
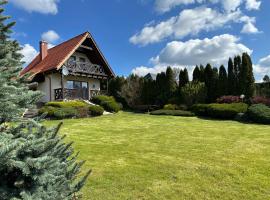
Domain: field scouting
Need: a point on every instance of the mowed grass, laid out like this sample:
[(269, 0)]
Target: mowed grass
[(137, 156)]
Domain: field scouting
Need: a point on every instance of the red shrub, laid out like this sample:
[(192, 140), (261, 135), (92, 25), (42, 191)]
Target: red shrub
[(229, 99), (260, 100)]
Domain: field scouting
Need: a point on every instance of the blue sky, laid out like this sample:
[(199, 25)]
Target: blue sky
[(142, 36)]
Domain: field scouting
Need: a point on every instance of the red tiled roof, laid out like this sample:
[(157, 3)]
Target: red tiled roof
[(57, 56)]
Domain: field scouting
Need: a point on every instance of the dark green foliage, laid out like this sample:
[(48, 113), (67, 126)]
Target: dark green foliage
[(193, 92), (108, 103), (259, 113), (149, 92), (202, 73), (183, 78), (96, 110), (210, 78), (173, 113), (266, 79), (170, 82), (231, 79), (37, 164), (14, 93), (247, 81), (220, 111), (115, 86), (196, 74), (170, 107), (237, 70), (222, 81)]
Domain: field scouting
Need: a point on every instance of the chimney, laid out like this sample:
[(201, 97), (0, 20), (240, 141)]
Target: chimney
[(43, 46)]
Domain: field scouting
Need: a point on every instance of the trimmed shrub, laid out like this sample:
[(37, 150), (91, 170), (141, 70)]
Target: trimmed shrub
[(66, 104), (64, 113), (96, 110), (108, 103), (229, 99), (101, 98), (259, 113), (260, 100), (170, 107), (220, 111), (173, 113), (49, 110), (111, 106)]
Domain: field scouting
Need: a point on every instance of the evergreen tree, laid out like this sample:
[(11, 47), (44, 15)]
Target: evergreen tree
[(215, 84), (202, 74), (34, 161), (231, 78), (247, 77), (266, 79), (14, 93), (238, 75), (161, 88), (209, 79), (222, 81), (170, 82), (149, 92), (183, 78), (196, 74)]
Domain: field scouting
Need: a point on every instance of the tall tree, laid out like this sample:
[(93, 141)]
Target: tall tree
[(231, 78), (196, 74), (222, 81), (14, 93), (170, 82), (161, 88), (202, 73), (209, 79), (266, 79), (34, 161), (247, 77), (183, 78), (237, 69)]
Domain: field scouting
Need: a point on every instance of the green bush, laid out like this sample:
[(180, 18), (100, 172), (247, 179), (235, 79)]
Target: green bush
[(64, 113), (173, 113), (259, 113), (220, 111), (170, 107), (96, 110), (111, 106), (108, 103), (66, 104), (49, 110), (102, 98)]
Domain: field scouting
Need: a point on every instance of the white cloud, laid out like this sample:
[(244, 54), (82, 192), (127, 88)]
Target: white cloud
[(29, 53), (191, 22), (163, 6), (50, 36), (249, 26), (41, 6), (262, 67), (253, 4), (216, 51)]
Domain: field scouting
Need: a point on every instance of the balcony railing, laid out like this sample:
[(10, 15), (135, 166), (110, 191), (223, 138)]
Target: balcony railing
[(85, 68), (72, 94)]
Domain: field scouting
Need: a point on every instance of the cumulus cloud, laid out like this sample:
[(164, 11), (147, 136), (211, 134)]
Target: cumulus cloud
[(163, 6), (215, 50), (262, 67), (40, 6), (191, 22), (28, 52), (50, 36)]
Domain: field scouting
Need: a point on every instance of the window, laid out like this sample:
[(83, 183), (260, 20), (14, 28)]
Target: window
[(69, 84)]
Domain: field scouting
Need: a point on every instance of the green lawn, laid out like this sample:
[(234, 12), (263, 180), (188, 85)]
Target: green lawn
[(136, 156)]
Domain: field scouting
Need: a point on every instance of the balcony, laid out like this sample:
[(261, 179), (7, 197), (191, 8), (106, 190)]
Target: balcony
[(73, 94), (86, 68)]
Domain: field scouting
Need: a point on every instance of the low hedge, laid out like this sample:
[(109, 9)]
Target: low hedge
[(67, 104), (96, 110), (220, 111), (108, 103), (70, 109), (173, 113), (259, 113), (59, 113)]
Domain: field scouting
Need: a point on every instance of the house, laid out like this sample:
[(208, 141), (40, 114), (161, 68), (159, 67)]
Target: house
[(150, 76), (74, 69)]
